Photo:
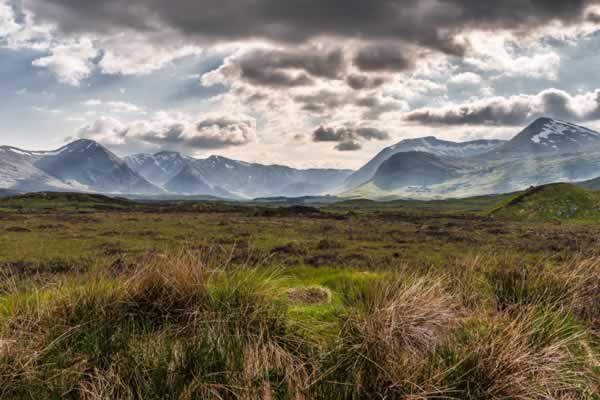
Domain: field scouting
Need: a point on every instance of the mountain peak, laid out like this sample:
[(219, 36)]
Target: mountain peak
[(548, 135), (80, 146), (81, 143), (167, 153)]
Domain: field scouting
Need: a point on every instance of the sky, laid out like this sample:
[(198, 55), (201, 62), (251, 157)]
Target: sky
[(306, 83)]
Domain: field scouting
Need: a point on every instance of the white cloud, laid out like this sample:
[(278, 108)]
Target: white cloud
[(70, 62), (132, 53), (8, 25), (92, 103), (504, 54), (114, 106), (123, 107), (466, 78)]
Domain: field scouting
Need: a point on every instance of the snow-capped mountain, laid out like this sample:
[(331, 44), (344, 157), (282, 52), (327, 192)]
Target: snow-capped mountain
[(238, 178), (83, 165), (551, 136), (18, 171), (430, 145), (547, 151), (158, 168)]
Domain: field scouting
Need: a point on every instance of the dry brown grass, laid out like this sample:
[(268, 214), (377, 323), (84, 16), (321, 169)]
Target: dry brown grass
[(530, 356), (390, 336)]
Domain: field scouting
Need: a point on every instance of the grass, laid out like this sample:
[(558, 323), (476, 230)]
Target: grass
[(199, 301), (551, 202), (191, 325)]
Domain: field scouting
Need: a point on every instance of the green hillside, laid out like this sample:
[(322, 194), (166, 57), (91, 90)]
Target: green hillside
[(560, 201)]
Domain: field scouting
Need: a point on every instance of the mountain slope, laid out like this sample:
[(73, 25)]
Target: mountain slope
[(190, 181), (549, 136), (428, 145), (18, 172), (157, 168), (413, 168), (245, 179), (257, 180), (555, 201), (91, 165)]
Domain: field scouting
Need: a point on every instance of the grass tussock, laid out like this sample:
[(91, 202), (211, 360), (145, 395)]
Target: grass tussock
[(195, 326), (534, 354), (390, 333)]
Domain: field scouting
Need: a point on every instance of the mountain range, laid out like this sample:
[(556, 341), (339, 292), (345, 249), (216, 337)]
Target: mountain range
[(546, 151), (87, 166)]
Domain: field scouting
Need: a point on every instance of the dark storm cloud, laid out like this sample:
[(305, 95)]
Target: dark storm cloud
[(348, 134), (428, 23), (272, 67), (361, 82), (382, 57), (348, 146), (347, 139), (376, 107), (493, 113), (511, 111), (593, 17), (321, 101)]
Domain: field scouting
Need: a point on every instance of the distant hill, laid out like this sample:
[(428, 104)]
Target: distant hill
[(560, 201)]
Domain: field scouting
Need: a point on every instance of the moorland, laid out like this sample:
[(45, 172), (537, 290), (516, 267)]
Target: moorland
[(494, 297)]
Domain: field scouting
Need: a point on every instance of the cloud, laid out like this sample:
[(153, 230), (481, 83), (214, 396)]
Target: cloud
[(361, 82), (383, 57), (114, 106), (273, 67), (172, 131), (512, 56), (8, 25), (514, 110), (429, 23), (466, 79), (92, 102), (348, 137), (71, 62), (348, 146)]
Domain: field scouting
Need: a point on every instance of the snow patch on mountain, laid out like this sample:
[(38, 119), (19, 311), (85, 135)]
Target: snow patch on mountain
[(560, 128)]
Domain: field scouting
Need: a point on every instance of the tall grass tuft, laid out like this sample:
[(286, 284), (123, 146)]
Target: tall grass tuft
[(388, 336), (535, 354)]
